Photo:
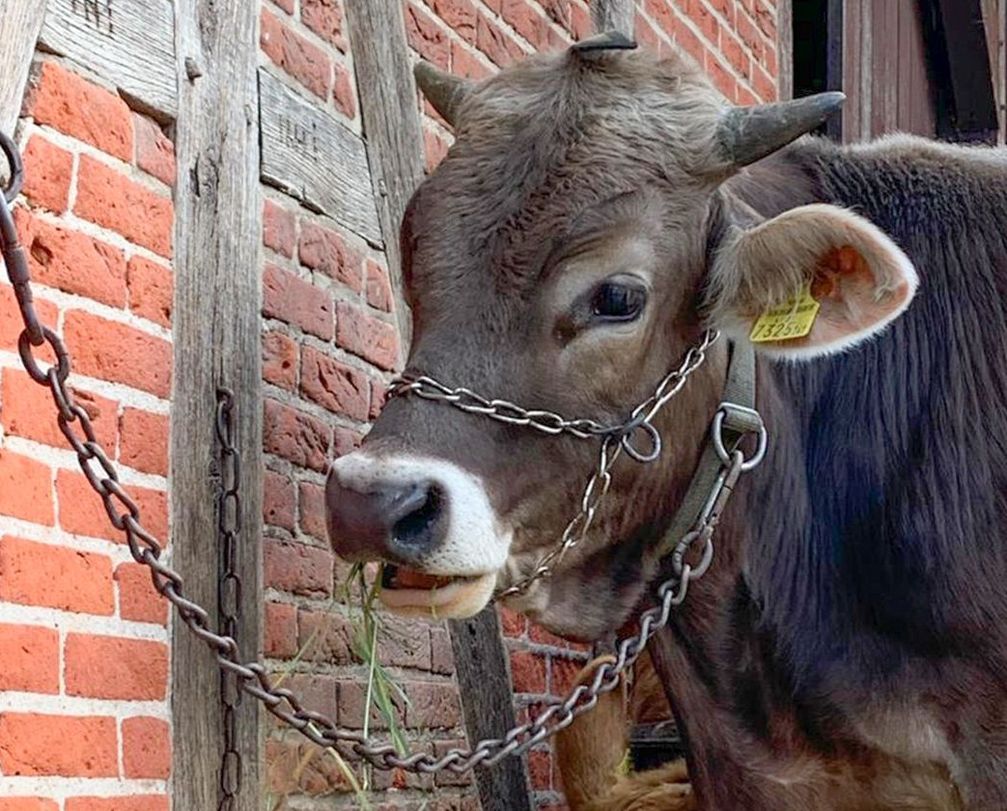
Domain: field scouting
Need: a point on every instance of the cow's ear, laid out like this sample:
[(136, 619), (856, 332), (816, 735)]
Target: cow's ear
[(814, 280)]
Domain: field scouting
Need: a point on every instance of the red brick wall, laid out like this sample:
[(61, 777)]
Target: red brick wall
[(84, 707)]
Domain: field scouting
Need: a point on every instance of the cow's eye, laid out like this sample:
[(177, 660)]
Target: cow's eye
[(617, 301)]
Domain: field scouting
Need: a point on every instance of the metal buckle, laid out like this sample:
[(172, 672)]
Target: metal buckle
[(741, 420)]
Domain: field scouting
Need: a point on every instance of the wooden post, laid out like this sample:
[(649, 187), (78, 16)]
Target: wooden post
[(613, 15), (217, 342), (785, 49), (394, 140), (488, 705), (20, 23)]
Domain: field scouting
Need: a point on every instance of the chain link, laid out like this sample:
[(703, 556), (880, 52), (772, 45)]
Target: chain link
[(615, 440), (229, 589), (252, 678)]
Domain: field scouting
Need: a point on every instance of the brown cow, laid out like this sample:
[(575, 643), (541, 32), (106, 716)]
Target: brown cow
[(599, 210)]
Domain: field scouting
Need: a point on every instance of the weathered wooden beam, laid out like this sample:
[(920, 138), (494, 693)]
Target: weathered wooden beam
[(394, 137), (785, 49), (128, 42), (613, 15), (310, 155), (488, 705), (20, 23), (217, 341)]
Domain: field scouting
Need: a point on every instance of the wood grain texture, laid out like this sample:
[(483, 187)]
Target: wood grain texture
[(785, 48), (394, 137), (128, 42), (314, 158), (484, 680), (20, 23), (217, 341), (613, 15)]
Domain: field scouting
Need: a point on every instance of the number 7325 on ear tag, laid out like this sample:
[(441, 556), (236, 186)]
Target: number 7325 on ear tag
[(792, 319)]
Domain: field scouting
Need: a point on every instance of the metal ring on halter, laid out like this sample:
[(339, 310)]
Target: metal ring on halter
[(10, 151), (718, 436), (655, 443)]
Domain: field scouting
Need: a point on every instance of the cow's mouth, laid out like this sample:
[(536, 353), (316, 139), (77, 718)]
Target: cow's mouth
[(409, 592)]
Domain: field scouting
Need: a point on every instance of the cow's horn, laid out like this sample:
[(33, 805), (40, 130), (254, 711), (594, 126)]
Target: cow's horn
[(750, 133), (610, 40), (444, 91)]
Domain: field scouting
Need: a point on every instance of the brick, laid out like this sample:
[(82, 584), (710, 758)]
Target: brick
[(435, 148), (151, 287), (118, 353), (495, 43), (30, 656), (278, 228), (404, 643), (10, 317), (27, 804), (528, 672), (326, 251), (442, 658), (580, 22), (115, 667), (763, 84), (297, 568), (750, 36), (432, 706), (705, 21), (325, 636), (112, 200), (48, 170), (342, 91), (725, 8), (538, 634), (311, 502), (370, 338), (448, 777), (295, 55), (297, 437), (464, 62), (286, 5), (279, 360), (27, 410), (721, 77), (353, 700), (739, 58), (43, 745), (295, 301), (460, 16), (563, 674), (54, 576), (295, 767), (134, 802), (317, 692), (334, 385), (155, 153), (278, 507), (143, 441), (76, 107), (280, 630), (379, 396), (524, 18), (25, 490), (325, 18), (540, 770), (81, 511), (344, 441), (512, 623), (146, 748), (71, 261), (138, 599), (426, 36)]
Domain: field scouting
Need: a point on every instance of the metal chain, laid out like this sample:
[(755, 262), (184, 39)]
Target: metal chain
[(229, 590), (615, 439), (251, 677)]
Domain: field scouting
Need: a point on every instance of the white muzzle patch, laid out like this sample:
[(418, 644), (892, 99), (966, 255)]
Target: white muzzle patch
[(476, 541)]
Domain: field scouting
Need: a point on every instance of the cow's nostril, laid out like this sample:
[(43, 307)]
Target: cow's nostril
[(417, 530)]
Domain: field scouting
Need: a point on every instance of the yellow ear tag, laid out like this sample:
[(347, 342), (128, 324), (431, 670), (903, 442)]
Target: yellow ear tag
[(792, 319)]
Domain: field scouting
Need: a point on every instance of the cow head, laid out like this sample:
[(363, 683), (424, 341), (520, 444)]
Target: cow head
[(575, 241)]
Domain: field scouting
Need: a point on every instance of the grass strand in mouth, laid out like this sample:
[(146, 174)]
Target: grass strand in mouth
[(366, 626)]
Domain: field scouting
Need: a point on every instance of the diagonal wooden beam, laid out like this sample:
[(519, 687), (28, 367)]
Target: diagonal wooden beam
[(20, 24)]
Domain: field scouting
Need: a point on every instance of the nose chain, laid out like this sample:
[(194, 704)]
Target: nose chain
[(615, 439)]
